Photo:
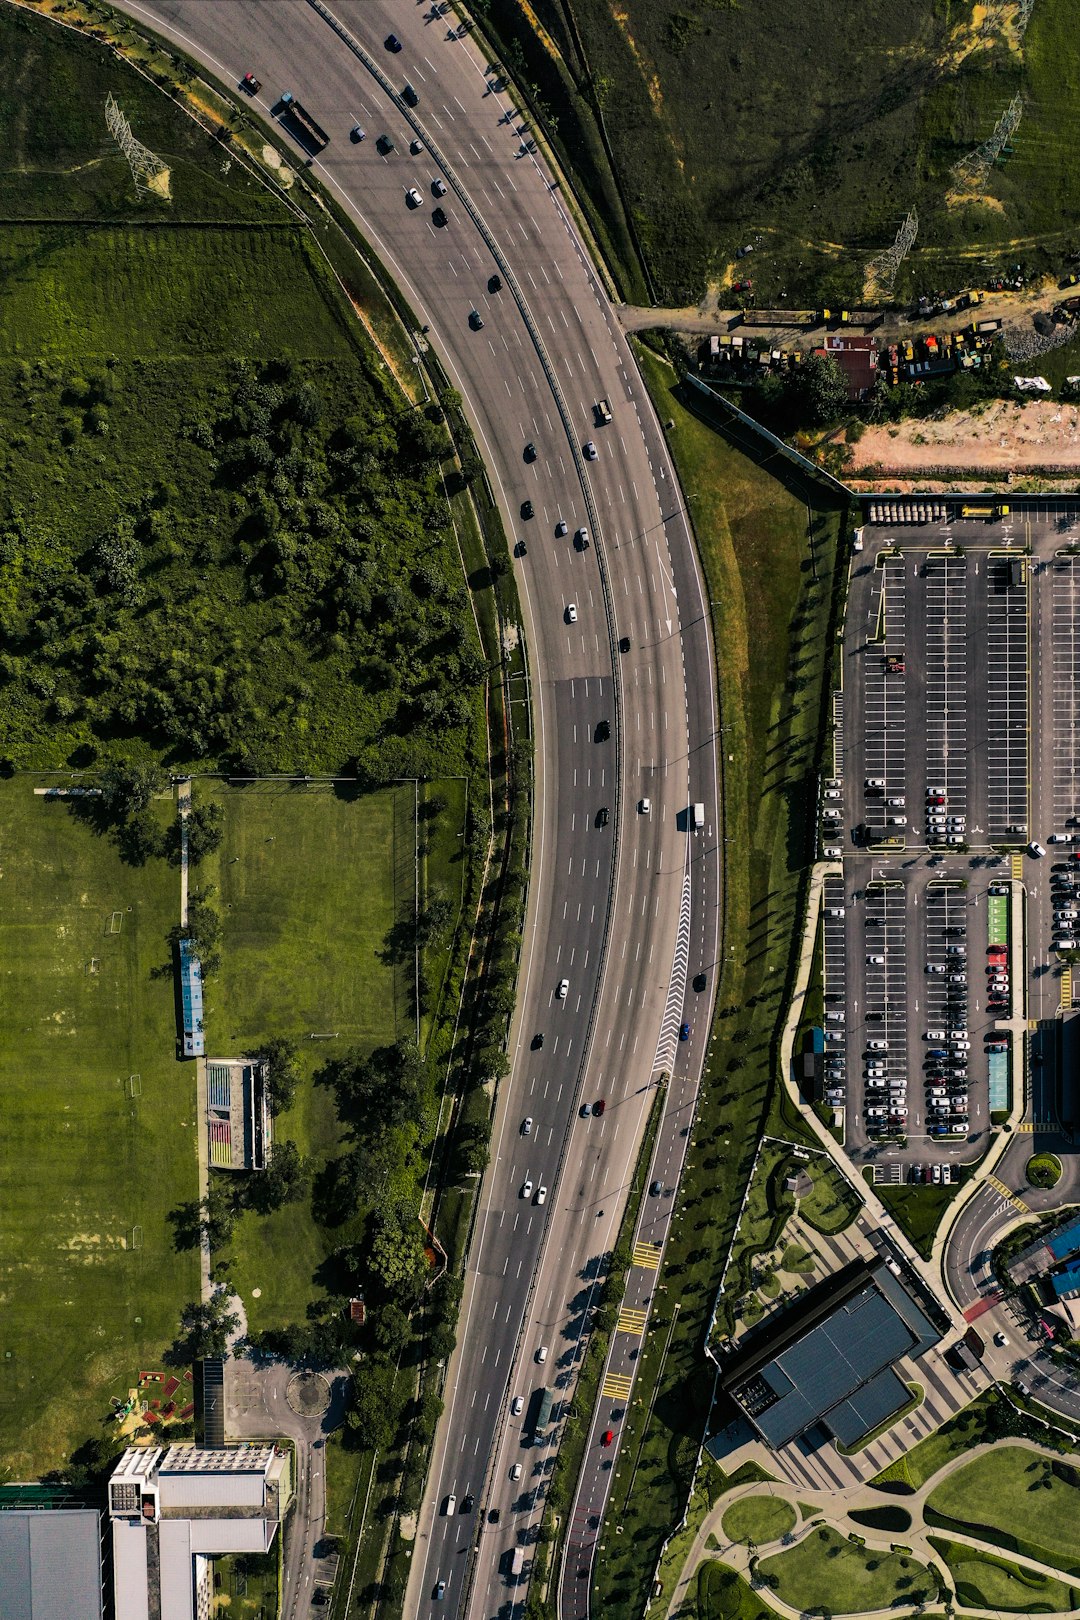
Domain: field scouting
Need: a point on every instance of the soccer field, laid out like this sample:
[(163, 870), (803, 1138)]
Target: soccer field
[(83, 1164), (309, 884)]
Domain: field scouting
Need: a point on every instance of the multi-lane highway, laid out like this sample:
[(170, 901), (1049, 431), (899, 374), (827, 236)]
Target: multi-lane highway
[(624, 907)]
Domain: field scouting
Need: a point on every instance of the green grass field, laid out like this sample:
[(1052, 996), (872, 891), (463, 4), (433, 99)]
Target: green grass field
[(308, 886), (985, 1582), (1017, 1499), (82, 1163), (825, 1569), (129, 291), (922, 1462), (831, 1205), (758, 1518), (723, 1595)]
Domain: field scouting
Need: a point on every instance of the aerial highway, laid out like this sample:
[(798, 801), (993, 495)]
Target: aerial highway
[(624, 904)]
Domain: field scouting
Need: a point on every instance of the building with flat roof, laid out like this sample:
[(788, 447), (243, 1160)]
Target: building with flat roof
[(191, 1001), (238, 1123), (50, 1564), (833, 1362), (174, 1511)]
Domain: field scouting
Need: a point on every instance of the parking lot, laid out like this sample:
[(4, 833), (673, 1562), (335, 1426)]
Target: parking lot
[(961, 746)]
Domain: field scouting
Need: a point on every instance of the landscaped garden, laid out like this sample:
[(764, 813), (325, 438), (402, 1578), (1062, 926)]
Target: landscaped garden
[(825, 1570), (760, 1519), (1017, 1499), (985, 1582)]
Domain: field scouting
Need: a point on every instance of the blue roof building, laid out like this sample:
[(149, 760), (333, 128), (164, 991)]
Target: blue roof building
[(191, 999)]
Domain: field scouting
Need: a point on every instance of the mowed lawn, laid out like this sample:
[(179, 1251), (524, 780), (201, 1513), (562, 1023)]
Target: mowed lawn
[(82, 1163), (1027, 1502), (309, 884), (827, 1570)]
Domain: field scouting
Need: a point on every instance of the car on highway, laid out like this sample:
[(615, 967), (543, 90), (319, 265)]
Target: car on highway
[(700, 981), (590, 450), (527, 1125), (516, 1471), (385, 145), (607, 1437), (413, 197), (517, 1406), (251, 84), (581, 539), (603, 730), (571, 613), (602, 816), (438, 217), (467, 1503), (527, 510), (586, 1110), (684, 1032), (450, 1504), (529, 452), (416, 146), (438, 188), (526, 1188), (541, 1195), (562, 988), (440, 1591), (476, 320), (542, 1354), (644, 806), (357, 134), (598, 1106), (656, 1189), (538, 1040), (392, 43), (561, 527), (409, 96)]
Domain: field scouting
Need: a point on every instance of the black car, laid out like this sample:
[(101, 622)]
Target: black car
[(392, 43), (624, 644), (603, 731), (700, 981), (409, 95), (384, 144), (537, 1040), (467, 1504), (602, 816), (526, 509), (530, 451), (494, 284), (476, 320), (438, 217)]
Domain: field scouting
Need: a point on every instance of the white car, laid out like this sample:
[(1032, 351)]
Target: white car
[(562, 989), (875, 781), (526, 1188), (1000, 1340), (1060, 838), (898, 821), (517, 1405), (413, 197), (833, 793), (833, 852), (897, 803), (590, 450), (935, 1035), (1035, 848), (516, 1471), (876, 961), (878, 1046), (571, 613), (935, 967), (541, 1195), (439, 187), (645, 806), (541, 1354)]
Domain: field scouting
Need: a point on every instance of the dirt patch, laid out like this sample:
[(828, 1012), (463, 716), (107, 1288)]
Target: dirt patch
[(1002, 438)]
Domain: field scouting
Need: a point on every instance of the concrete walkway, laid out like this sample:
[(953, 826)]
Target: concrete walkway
[(833, 1508)]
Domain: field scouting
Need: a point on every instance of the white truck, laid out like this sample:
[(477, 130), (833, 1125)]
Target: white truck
[(697, 816)]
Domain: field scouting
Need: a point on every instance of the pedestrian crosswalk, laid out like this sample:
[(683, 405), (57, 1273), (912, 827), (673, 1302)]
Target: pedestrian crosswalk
[(1066, 989), (1027, 1126), (647, 1255), (1008, 1194), (631, 1321), (1017, 868), (616, 1386)]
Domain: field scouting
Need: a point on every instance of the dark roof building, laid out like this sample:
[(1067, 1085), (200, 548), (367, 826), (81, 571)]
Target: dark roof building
[(833, 1362), (857, 359), (50, 1564)]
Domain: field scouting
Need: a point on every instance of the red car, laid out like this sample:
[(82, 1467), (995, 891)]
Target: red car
[(598, 1106), (743, 286), (607, 1437)]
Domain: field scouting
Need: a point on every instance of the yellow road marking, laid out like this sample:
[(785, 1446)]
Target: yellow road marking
[(631, 1321), (616, 1387), (647, 1255)]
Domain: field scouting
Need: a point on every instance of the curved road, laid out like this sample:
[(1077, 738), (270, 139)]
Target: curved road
[(628, 922)]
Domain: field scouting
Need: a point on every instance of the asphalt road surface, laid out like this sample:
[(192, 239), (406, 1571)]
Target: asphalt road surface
[(627, 912)]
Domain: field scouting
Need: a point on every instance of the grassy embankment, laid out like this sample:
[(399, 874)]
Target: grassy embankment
[(774, 630)]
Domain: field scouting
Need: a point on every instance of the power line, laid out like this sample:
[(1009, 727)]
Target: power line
[(883, 268), (973, 170)]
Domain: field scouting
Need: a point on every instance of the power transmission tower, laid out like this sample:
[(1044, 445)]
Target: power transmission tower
[(971, 171), (146, 169), (882, 269), (1023, 17)]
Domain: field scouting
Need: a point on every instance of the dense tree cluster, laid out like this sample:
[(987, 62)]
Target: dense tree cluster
[(276, 588)]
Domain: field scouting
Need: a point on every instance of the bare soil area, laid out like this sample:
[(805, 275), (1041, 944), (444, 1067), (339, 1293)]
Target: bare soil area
[(999, 438)]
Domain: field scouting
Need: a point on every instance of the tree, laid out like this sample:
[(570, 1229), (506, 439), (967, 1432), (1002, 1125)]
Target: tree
[(369, 1417), (206, 1327), (433, 922), (279, 1055), (392, 1329), (282, 1182), (127, 790), (820, 390), (205, 830), (396, 1258)]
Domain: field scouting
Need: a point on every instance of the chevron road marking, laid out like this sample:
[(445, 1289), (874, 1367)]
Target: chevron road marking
[(668, 1044)]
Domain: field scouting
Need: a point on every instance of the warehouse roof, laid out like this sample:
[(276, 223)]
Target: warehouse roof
[(50, 1564)]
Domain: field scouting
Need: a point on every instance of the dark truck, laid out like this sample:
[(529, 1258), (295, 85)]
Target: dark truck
[(303, 125)]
